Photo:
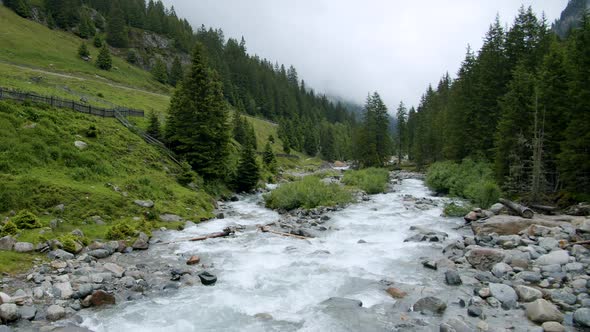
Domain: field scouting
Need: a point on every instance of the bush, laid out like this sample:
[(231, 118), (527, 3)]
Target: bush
[(307, 193), (470, 179), (8, 229), (92, 132), (26, 220), (120, 231), (456, 210), (371, 180)]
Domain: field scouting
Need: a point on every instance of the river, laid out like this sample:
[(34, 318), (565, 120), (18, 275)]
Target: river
[(271, 283)]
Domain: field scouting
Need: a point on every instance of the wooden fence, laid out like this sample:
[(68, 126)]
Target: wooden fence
[(65, 103)]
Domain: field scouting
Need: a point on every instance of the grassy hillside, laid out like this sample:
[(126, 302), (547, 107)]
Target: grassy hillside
[(41, 168)]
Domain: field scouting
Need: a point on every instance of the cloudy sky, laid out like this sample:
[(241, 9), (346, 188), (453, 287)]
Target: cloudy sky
[(348, 48)]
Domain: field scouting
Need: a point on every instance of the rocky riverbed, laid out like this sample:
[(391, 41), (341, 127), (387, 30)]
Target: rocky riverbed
[(388, 263)]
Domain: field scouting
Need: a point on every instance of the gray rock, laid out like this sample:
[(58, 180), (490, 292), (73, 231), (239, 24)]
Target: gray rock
[(115, 269), (497, 208), (455, 325), (483, 258), (4, 328), (579, 283), (501, 269), (24, 247), (548, 243), (541, 311), (574, 267), (582, 317), (146, 204), (562, 295), (504, 293), (340, 302), (452, 278), (474, 311), (529, 276), (4, 298), (527, 294), (83, 291), (555, 257), (99, 253), (27, 312), (142, 242), (60, 254), (167, 217), (78, 233), (430, 304), (553, 327), (55, 312), (9, 312), (63, 290), (7, 243), (81, 145)]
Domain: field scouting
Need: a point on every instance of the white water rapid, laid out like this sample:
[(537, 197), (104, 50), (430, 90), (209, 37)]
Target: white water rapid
[(287, 278)]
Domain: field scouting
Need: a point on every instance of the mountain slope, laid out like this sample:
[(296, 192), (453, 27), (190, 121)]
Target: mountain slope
[(570, 17)]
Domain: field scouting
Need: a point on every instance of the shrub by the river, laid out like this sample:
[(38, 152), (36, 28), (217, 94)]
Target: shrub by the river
[(469, 179), (26, 220), (371, 180), (307, 193)]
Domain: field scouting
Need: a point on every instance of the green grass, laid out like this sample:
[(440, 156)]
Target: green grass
[(370, 180), (308, 193), (40, 168), (469, 179), (13, 263)]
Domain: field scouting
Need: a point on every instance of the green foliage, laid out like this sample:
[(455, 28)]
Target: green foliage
[(471, 180), (197, 126), (132, 57), (86, 27), (176, 72), (248, 171), (308, 193), (373, 143), (21, 7), (371, 180), (269, 159), (25, 219), (154, 129), (456, 210), (83, 51), (97, 41), (160, 72), (9, 228), (117, 34), (92, 131), (104, 60), (120, 231), (70, 242)]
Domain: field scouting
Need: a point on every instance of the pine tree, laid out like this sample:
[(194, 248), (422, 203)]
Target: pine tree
[(86, 27), (116, 28), (248, 171), (104, 60), (159, 71), (131, 56), (269, 159), (154, 126), (97, 41), (175, 72), (197, 127), (21, 7), (83, 51), (401, 131), (373, 143)]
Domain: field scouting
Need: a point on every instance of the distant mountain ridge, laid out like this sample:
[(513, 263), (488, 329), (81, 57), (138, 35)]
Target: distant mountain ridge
[(570, 17)]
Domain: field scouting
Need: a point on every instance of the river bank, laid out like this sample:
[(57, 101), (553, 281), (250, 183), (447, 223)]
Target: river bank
[(386, 263)]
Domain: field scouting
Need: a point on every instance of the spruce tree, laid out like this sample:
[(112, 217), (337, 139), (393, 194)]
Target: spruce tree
[(154, 126), (104, 60), (175, 72), (159, 71), (21, 7), (197, 126), (269, 159), (83, 51), (97, 41), (248, 171), (117, 28), (85, 27), (401, 131)]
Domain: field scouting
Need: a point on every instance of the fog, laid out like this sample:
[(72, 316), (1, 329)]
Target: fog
[(347, 48)]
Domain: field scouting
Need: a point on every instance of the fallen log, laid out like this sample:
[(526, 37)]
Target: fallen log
[(226, 232), (544, 208), (264, 229), (521, 210)]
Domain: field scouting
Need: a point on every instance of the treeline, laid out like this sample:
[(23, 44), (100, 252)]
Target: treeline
[(522, 102)]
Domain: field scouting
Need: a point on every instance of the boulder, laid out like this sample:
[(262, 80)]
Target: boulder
[(4, 298), (168, 217), (24, 247), (508, 225), (63, 290), (193, 260), (452, 278), (483, 258), (9, 312), (541, 311), (55, 312), (60, 254), (504, 293), (146, 204), (207, 278), (560, 257), (527, 294), (396, 293), (115, 269), (100, 298), (430, 304), (7, 243), (497, 208), (553, 327), (582, 317), (500, 269), (142, 242), (471, 216), (99, 253), (27, 312), (81, 145), (474, 311)]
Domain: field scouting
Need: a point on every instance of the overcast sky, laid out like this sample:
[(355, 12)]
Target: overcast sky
[(348, 48)]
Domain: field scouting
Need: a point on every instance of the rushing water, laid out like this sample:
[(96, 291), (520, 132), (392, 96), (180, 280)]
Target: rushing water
[(288, 278)]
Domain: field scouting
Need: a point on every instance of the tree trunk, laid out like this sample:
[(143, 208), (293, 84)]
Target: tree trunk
[(265, 229), (521, 210)]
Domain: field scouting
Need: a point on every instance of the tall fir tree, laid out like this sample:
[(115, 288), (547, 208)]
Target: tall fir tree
[(402, 118), (197, 126), (104, 61), (117, 35), (159, 71), (269, 158), (154, 128), (175, 72), (248, 171)]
